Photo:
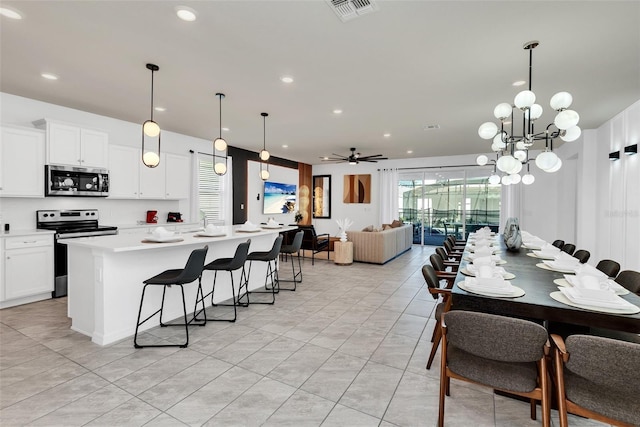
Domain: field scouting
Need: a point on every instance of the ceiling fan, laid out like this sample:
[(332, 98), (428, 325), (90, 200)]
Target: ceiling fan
[(354, 158)]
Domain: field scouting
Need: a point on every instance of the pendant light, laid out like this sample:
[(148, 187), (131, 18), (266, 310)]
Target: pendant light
[(151, 132), (220, 145), (264, 154)]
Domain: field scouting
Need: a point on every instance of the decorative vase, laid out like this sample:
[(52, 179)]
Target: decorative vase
[(342, 235)]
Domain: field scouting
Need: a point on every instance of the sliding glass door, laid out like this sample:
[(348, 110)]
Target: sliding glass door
[(438, 203)]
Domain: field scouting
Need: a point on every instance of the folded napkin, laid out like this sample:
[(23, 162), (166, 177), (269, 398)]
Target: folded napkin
[(272, 222), (483, 250), (482, 242), (495, 258), (604, 283), (565, 257), (161, 232), (486, 271), (594, 297), (483, 260), (492, 285), (561, 265), (213, 229), (248, 225), (590, 270)]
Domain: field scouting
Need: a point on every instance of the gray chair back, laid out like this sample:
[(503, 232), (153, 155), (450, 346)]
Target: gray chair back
[(437, 262), (582, 255), (569, 248), (629, 279), (505, 339), (240, 256), (558, 243), (440, 251), (431, 278)]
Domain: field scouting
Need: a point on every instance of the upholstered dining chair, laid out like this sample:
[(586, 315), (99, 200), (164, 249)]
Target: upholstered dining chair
[(629, 279), (455, 243), (447, 262), (597, 378), (451, 252), (582, 255), (568, 248), (503, 353), (609, 267), (558, 243), (441, 270), (433, 284)]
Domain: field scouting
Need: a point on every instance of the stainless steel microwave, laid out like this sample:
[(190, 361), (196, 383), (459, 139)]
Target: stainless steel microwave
[(76, 181)]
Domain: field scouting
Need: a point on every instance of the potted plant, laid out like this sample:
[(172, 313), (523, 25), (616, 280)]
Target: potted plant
[(297, 217)]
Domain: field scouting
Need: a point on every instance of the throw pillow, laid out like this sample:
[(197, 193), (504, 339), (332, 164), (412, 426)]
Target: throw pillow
[(387, 227), (396, 223), (369, 228)]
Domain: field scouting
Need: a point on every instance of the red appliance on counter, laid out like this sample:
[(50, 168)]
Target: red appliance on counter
[(152, 217)]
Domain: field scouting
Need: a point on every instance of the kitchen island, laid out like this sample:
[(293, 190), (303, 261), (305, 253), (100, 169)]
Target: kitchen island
[(106, 273)]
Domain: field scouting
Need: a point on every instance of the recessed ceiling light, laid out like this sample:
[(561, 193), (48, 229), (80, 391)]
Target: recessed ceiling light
[(409, 151), (285, 146), (49, 76), (387, 135), (186, 13), (325, 158), (225, 129), (161, 109), (286, 79), (10, 13), (337, 111), (430, 127), (518, 83)]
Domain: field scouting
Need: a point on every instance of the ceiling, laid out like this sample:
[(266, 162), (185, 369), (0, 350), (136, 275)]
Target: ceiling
[(408, 65)]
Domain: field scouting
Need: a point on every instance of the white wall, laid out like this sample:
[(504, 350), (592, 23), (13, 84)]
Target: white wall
[(20, 212), (255, 191)]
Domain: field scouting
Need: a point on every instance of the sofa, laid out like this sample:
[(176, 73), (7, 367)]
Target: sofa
[(378, 247)]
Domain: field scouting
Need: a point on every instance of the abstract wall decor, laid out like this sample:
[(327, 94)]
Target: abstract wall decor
[(357, 188)]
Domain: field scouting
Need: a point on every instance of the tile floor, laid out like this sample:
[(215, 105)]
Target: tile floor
[(347, 349)]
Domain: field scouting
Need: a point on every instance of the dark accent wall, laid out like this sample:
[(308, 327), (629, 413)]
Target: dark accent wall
[(240, 157)]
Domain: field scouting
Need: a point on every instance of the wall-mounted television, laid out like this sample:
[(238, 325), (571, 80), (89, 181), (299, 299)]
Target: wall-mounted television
[(279, 198)]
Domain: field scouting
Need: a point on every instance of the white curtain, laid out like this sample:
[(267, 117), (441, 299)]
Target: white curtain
[(388, 195)]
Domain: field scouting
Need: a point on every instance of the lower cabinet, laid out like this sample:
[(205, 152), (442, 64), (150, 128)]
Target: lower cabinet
[(26, 272)]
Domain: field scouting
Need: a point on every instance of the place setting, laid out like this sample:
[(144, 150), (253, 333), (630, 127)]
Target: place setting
[(604, 282), (271, 224), (484, 250), (591, 293), (473, 257), (162, 235), (548, 252), (212, 231), (490, 281), (248, 227), (476, 270), (563, 263)]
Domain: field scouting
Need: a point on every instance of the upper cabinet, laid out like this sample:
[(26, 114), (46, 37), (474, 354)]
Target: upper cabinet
[(129, 178), (21, 162), (68, 144)]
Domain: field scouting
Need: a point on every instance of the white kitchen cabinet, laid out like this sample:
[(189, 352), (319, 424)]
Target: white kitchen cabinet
[(123, 172), (27, 264), (129, 178), (178, 176), (153, 180), (21, 162), (69, 144)]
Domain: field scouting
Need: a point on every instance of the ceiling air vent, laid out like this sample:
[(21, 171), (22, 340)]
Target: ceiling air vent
[(349, 9)]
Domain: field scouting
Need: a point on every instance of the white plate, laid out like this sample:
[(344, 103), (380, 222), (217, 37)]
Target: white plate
[(565, 283), (532, 247), (501, 262), (204, 234), (559, 296), (532, 255), (517, 292), (493, 252), (546, 267), (169, 239), (271, 226), (248, 230), (505, 276)]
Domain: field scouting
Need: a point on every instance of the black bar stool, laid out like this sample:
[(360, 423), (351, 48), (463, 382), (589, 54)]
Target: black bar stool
[(293, 248), (191, 272), (230, 265), (272, 272)]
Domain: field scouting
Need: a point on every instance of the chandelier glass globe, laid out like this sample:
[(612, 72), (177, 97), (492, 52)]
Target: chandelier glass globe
[(502, 111), (566, 119), (220, 168), (546, 160), (561, 101), (528, 179), (555, 167), (487, 130), (514, 178), (497, 140), (521, 145), (482, 160), (505, 180), (151, 128), (571, 134), (151, 159), (494, 179), (264, 174), (516, 168), (524, 99), (506, 163), (220, 144), (520, 155), (535, 111)]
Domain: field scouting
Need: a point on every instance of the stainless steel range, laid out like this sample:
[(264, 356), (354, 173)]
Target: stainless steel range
[(69, 224)]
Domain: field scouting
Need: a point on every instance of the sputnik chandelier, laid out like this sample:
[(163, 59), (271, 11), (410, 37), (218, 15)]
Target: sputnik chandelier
[(512, 150)]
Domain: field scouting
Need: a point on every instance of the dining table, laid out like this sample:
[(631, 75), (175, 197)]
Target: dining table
[(537, 303)]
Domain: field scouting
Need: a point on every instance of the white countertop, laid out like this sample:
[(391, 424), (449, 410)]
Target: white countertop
[(20, 233), (134, 242)]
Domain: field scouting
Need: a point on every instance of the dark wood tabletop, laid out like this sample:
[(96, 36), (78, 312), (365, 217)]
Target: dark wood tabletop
[(536, 304)]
